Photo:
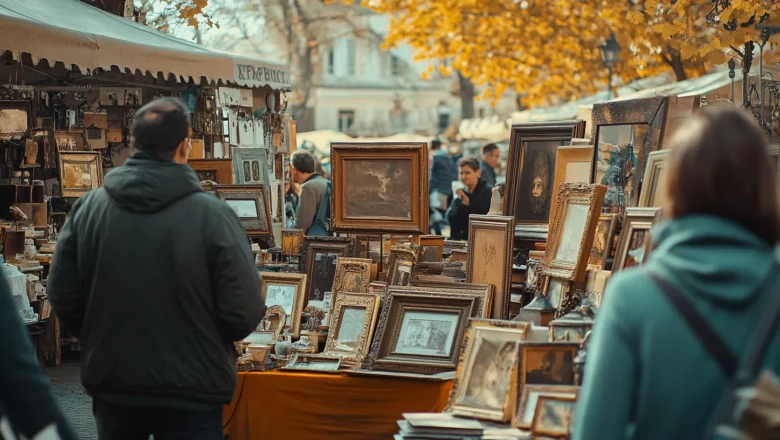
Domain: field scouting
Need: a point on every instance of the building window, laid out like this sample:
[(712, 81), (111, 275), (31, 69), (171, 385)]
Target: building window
[(351, 56), (331, 61), (346, 120), (395, 66)]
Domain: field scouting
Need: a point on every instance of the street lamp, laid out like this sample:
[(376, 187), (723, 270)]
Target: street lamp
[(610, 53)]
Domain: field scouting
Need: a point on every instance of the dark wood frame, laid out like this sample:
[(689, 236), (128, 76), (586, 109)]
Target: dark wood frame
[(223, 168), (312, 245), (563, 131), (484, 292), (94, 159), (523, 364), (635, 219), (253, 192)]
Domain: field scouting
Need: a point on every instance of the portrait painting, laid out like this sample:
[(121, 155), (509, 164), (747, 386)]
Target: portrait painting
[(548, 364), (244, 208), (378, 187), (490, 257), (602, 241), (285, 291), (529, 396), (352, 324), (554, 416), (80, 172), (427, 334), (536, 180)]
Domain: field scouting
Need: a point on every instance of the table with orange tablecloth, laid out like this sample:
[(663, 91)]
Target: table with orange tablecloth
[(276, 405)]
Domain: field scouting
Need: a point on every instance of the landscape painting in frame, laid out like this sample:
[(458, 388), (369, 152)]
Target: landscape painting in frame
[(80, 172)]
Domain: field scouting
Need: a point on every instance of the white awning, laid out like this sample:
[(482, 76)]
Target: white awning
[(80, 35)]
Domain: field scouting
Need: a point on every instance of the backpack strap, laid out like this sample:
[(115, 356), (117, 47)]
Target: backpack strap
[(321, 215), (765, 330)]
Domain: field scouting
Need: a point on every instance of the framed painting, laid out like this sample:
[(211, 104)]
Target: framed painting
[(80, 172), (571, 234), (250, 166), (603, 239), (400, 264), (70, 140), (533, 149), (352, 326), (353, 275), (625, 133), (252, 205), (490, 257), (286, 290), (431, 248), (421, 332), (547, 363), (262, 337), (314, 363), (214, 170), (553, 416), (379, 187), (652, 194), (572, 164), (318, 262), (484, 292), (527, 398), (635, 243), (557, 292), (15, 117), (486, 377)]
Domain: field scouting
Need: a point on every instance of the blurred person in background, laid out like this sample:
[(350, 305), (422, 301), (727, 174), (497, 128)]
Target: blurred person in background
[(313, 213), (648, 373), (291, 198), (491, 159), (473, 198), (443, 172)]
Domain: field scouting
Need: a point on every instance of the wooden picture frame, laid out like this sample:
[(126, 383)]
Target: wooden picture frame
[(431, 248), (490, 247), (532, 152), (313, 363), (215, 170), (649, 195), (68, 141), (18, 106), (399, 345), (319, 271), (80, 172), (572, 231), (286, 290), (637, 221), (379, 187), (558, 291), (572, 164), (353, 275), (401, 264), (528, 397), (250, 166), (489, 345), (252, 205), (547, 363), (484, 292), (350, 331), (538, 426), (603, 240), (650, 115)]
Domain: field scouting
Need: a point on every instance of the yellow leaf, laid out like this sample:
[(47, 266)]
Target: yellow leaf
[(704, 50), (669, 29), (635, 17)]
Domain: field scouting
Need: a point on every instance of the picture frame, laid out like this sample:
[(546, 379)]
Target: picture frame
[(538, 363), (651, 193), (533, 150), (603, 241), (262, 337), (431, 248), (318, 261), (490, 348), (313, 363), (250, 166), (351, 326), (353, 275), (70, 141), (408, 316), (551, 409), (80, 172), (252, 205), (572, 231), (17, 117), (558, 292), (400, 264), (482, 291), (635, 236), (219, 171), (286, 290), (528, 397), (379, 187), (490, 246), (572, 164), (274, 320)]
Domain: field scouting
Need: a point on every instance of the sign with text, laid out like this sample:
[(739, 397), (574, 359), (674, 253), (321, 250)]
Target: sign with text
[(254, 74)]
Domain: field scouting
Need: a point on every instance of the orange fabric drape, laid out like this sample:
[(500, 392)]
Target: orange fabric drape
[(277, 405)]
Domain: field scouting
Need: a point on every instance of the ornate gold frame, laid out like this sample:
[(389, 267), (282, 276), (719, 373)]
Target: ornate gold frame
[(361, 266), (568, 194), (258, 194), (608, 243), (366, 301), (636, 219), (501, 296), (270, 312), (400, 253), (538, 431), (568, 155), (91, 159), (566, 295), (482, 291), (656, 162), (296, 280), (522, 400)]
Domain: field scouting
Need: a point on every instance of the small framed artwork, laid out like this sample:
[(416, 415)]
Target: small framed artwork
[(635, 244), (287, 291), (214, 170), (547, 363), (603, 239), (491, 239), (15, 118), (652, 194), (275, 320), (315, 363), (262, 337), (70, 140), (557, 291), (80, 172), (252, 205), (400, 264), (250, 166), (352, 325), (573, 164), (553, 416), (353, 275), (484, 292), (421, 332), (530, 395), (572, 231), (379, 187), (318, 262), (431, 248)]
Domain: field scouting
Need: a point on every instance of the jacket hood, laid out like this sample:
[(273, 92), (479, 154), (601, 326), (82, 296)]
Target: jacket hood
[(148, 184), (713, 258)]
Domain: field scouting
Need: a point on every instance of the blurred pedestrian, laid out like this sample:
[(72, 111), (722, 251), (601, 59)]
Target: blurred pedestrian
[(648, 374), (443, 173), (156, 278), (290, 202), (313, 214), (491, 159), (473, 198)]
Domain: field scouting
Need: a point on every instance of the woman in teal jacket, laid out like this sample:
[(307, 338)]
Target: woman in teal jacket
[(647, 374)]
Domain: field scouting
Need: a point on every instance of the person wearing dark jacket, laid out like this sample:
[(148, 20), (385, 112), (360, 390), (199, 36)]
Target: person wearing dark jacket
[(473, 199), (156, 279), (27, 405), (491, 159)]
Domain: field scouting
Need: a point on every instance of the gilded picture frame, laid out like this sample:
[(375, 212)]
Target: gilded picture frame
[(379, 187), (558, 291), (652, 193), (286, 290), (319, 270), (351, 326), (219, 171), (490, 246), (400, 264), (528, 397), (252, 205), (573, 164), (572, 231), (80, 172), (489, 346), (538, 361), (603, 241), (484, 292), (539, 427), (353, 275), (635, 236)]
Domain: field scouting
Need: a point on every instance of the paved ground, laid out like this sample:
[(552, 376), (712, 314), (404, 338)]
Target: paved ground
[(72, 398)]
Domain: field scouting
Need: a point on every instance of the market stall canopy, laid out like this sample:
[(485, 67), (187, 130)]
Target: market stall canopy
[(88, 38)]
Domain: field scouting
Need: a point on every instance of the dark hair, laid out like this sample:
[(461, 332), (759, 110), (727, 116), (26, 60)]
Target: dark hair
[(719, 165), (160, 126), (489, 148), (470, 162), (302, 161), (435, 144)]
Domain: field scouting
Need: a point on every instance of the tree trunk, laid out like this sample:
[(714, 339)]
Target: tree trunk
[(116, 7), (467, 94), (678, 67)]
